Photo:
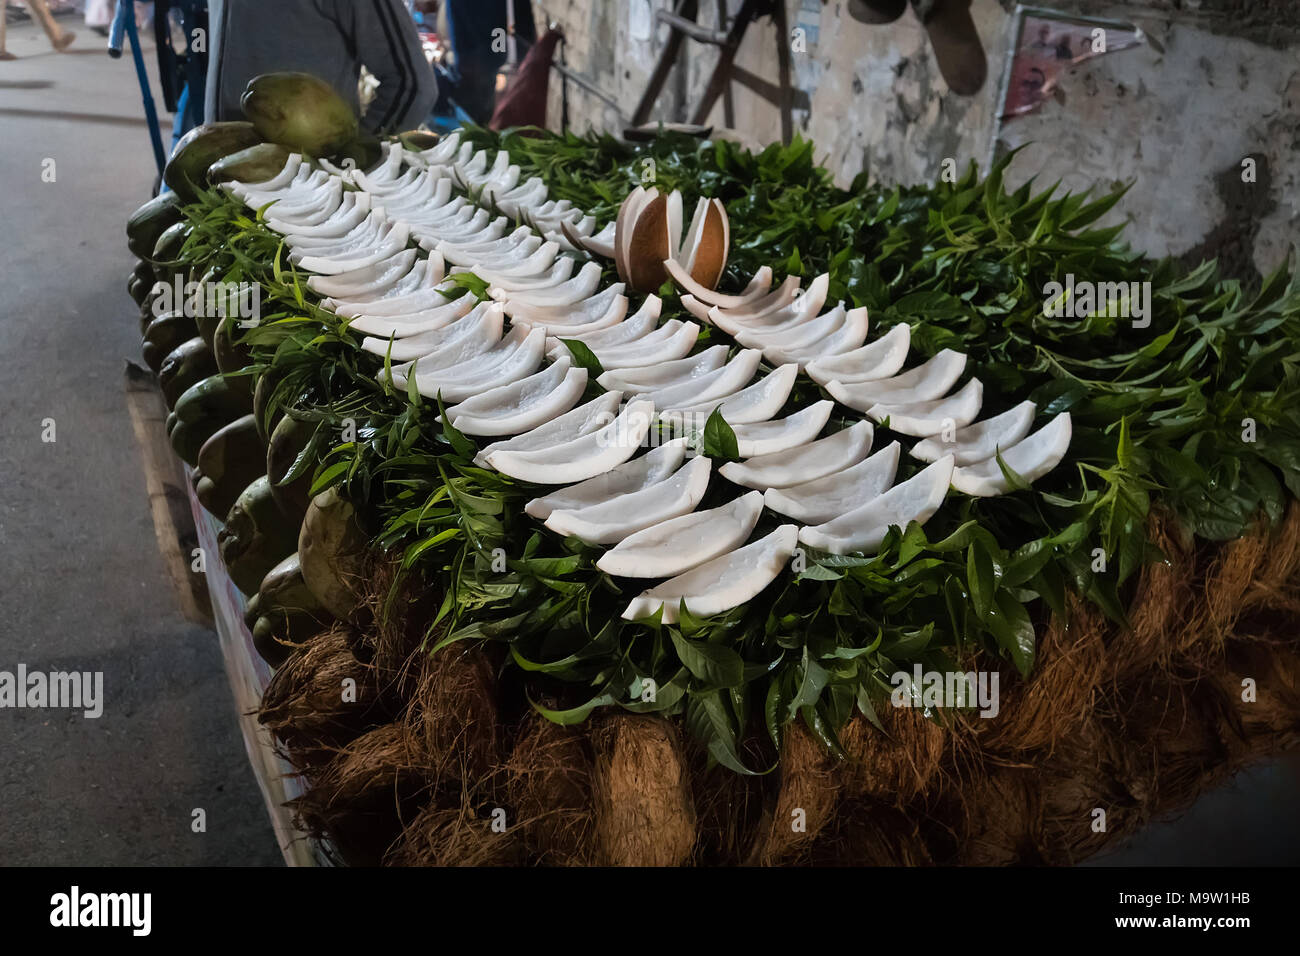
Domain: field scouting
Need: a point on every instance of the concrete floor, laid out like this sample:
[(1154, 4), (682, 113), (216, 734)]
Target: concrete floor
[(83, 585), (81, 582)]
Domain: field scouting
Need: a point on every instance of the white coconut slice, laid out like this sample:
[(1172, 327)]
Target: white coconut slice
[(602, 243), (756, 403), (414, 323), (419, 300), (705, 254), (721, 584), (872, 362), (779, 299), (636, 326), (631, 202), (754, 293), (795, 335), (413, 281), (672, 340), (509, 361), (351, 210), (681, 543), (611, 521), (583, 420), (564, 330), (583, 457), (924, 419), (367, 232), (800, 309), (864, 528), (850, 335), (569, 292), (981, 440), (459, 350), (924, 383), (328, 193), (425, 274), (510, 267), (390, 245), (522, 405), (674, 222), (624, 479), (328, 220), (483, 323), (830, 496), (520, 198), (308, 202), (803, 463), (767, 438), (491, 252), (559, 275), (580, 313), (666, 374), (1030, 458), (442, 153), (725, 381), (369, 280), (281, 179)]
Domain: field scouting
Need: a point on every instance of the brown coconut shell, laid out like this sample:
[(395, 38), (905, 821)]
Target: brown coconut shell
[(648, 245)]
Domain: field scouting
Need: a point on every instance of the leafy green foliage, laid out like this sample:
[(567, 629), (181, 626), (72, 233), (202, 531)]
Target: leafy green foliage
[(1161, 413)]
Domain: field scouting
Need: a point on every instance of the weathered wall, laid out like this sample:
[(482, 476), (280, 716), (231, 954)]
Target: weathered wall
[(1176, 124)]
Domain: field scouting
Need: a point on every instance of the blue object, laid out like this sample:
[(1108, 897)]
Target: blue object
[(124, 22)]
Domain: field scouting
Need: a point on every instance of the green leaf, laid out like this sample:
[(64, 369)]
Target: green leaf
[(715, 665), (719, 439), (1014, 631), (584, 357), (979, 576)]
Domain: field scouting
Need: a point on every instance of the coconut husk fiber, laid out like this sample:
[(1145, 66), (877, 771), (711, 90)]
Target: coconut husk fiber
[(445, 763)]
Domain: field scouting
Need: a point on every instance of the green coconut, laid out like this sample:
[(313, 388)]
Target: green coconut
[(186, 365), (257, 536), (284, 612), (331, 550), (255, 164), (199, 149), (288, 441), (418, 140), (202, 409), (229, 461), (166, 252), (300, 112), (232, 355), (165, 333), (149, 221)]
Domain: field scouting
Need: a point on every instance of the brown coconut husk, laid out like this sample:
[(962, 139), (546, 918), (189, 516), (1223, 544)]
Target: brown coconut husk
[(550, 786), (452, 712), (454, 836), (364, 797), (304, 704), (894, 765), (805, 802), (645, 812), (730, 806), (1134, 721)]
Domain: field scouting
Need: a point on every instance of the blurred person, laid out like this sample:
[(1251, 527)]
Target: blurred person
[(60, 38), (99, 14), (477, 34), (331, 39)]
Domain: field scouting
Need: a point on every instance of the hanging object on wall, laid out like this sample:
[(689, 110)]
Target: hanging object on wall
[(1048, 44)]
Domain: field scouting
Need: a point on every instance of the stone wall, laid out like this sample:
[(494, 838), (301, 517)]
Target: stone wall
[(1175, 117)]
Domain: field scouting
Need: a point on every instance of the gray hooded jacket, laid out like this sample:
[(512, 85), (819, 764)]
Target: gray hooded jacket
[(331, 39)]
